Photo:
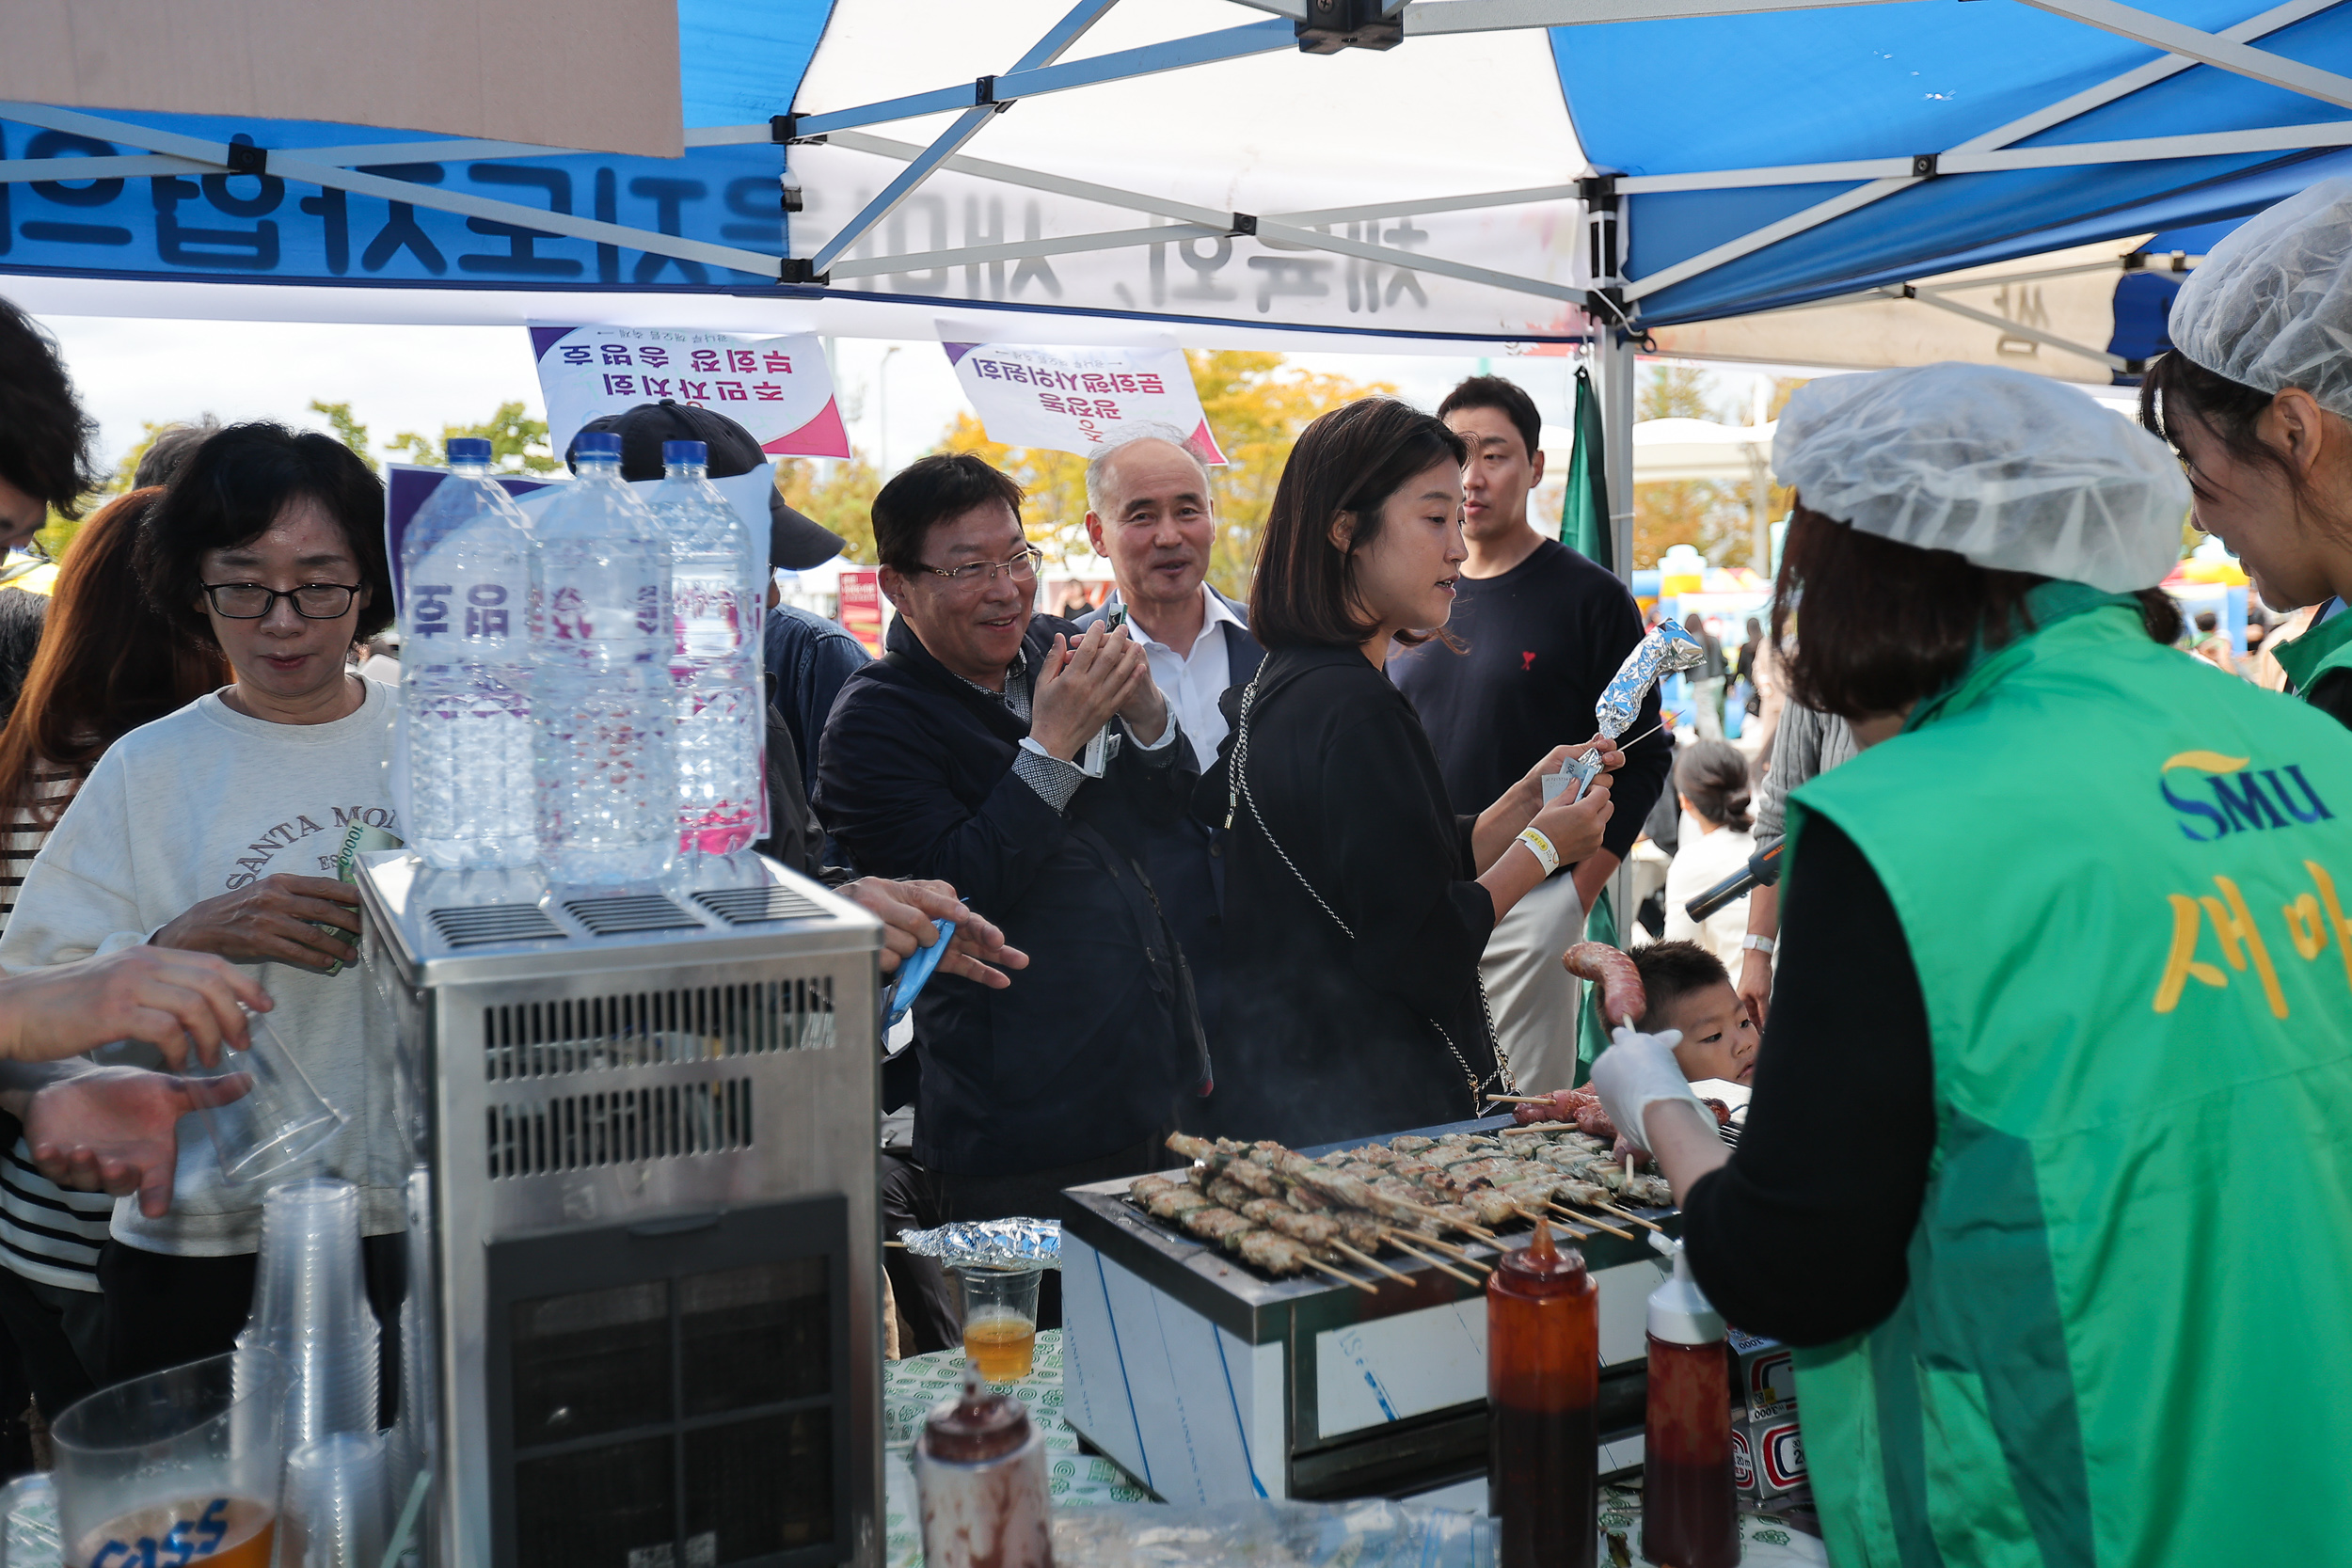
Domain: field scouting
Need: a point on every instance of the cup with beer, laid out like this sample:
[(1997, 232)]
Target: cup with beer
[(999, 1321), (177, 1466)]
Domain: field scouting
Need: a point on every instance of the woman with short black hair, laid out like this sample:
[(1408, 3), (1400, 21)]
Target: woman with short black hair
[(216, 830), (2053, 941), (1357, 901)]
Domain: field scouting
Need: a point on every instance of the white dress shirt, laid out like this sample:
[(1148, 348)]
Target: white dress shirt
[(1193, 683)]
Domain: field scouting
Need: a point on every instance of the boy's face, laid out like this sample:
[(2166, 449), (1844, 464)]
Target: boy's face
[(1717, 1036)]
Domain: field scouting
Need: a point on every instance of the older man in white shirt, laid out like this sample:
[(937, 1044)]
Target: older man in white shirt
[(1151, 516)]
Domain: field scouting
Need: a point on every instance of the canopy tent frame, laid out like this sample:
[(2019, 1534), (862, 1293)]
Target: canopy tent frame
[(1043, 70), (1926, 167), (1040, 71)]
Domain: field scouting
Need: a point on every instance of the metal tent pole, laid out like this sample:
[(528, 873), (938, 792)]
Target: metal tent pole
[(1613, 350)]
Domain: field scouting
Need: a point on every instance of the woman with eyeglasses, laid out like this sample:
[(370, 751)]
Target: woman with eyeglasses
[(216, 830)]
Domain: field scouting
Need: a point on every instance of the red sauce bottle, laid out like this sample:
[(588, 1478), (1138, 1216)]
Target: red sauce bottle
[(1690, 1514), (1543, 1377)]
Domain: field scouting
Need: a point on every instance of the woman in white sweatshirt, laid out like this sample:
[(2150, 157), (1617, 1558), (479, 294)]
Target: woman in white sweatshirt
[(1711, 779), (215, 828)]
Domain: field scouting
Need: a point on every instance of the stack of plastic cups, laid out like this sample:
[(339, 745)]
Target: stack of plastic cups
[(410, 1443), (311, 1308), (334, 1510)]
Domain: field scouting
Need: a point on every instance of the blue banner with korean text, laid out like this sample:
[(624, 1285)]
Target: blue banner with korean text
[(267, 229)]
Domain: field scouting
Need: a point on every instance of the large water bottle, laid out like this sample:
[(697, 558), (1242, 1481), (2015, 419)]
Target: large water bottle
[(607, 778), (715, 569), (465, 686)]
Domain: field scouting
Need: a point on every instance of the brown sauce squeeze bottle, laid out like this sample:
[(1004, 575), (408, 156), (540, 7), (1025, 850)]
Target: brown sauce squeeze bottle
[(1543, 1377), (1690, 1516), (979, 1470)]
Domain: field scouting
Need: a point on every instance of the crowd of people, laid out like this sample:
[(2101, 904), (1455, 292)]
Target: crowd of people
[(1286, 868)]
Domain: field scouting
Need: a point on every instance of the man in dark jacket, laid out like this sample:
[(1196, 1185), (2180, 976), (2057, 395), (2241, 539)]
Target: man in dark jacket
[(1021, 761), (1151, 513)]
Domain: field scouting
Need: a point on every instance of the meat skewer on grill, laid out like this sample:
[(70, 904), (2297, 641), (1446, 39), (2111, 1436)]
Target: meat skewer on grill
[(1236, 1233)]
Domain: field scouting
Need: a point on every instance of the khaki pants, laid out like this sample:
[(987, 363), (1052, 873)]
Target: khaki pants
[(1533, 1000)]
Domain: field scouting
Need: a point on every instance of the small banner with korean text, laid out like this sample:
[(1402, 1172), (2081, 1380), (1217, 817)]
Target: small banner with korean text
[(778, 388), (1078, 399)]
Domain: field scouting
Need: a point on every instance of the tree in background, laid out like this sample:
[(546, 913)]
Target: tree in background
[(1256, 404), (840, 495), (347, 429), (1710, 516), (518, 445)]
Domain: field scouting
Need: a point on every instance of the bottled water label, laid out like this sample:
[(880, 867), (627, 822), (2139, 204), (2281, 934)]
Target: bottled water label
[(465, 677), (485, 613)]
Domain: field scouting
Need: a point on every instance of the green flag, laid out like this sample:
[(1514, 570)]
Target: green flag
[(1585, 528), (1584, 514)]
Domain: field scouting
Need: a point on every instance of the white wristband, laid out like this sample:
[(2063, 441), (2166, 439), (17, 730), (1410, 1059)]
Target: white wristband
[(1758, 945), (1540, 846)]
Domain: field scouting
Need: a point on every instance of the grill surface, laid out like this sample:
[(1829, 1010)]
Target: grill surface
[(753, 905), (648, 912), (489, 923)]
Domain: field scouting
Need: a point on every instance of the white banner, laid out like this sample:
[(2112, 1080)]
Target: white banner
[(778, 388), (1076, 399)]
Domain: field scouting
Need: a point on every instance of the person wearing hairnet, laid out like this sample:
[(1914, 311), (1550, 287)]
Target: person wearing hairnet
[(2064, 979), (2256, 396)]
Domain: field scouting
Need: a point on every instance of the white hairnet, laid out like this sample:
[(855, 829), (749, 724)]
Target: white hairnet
[(2014, 471), (2270, 307)]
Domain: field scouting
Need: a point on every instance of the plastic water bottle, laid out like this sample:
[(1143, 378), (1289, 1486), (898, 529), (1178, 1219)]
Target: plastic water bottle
[(465, 687), (715, 569), (607, 780)]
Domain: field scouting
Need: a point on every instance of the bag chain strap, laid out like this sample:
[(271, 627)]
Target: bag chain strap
[(1239, 794)]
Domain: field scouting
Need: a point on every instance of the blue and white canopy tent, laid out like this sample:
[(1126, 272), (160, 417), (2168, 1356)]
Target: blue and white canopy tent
[(1509, 174)]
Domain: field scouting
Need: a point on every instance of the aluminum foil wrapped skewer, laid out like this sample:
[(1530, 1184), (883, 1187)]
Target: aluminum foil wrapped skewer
[(1667, 650), (1014, 1244)]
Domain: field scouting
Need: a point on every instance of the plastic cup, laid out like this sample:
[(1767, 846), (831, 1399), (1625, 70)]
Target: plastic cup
[(311, 1309), (280, 1120), (175, 1466), (336, 1509), (999, 1321)]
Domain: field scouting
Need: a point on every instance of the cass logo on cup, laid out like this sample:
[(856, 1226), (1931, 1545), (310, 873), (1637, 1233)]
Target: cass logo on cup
[(2235, 797), (1742, 1462), (1772, 1380)]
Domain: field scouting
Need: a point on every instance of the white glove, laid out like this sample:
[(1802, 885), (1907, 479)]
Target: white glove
[(1638, 1071)]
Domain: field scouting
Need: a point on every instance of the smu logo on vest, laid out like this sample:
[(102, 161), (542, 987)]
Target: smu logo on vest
[(2241, 798), (2311, 913)]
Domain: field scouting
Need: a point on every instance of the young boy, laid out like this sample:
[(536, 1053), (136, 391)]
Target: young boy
[(1689, 990)]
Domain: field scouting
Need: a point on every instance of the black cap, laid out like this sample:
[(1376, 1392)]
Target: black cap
[(796, 541)]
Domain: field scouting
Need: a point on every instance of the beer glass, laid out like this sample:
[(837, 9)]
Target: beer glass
[(176, 1466), (1000, 1321)]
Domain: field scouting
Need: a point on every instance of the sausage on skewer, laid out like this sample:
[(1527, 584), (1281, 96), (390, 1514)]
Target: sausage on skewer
[(1622, 998)]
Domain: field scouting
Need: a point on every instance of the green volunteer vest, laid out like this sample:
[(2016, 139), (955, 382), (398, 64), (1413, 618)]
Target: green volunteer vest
[(2321, 648), (2126, 882)]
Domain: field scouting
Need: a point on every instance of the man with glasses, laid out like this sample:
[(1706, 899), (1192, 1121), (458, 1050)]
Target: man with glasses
[(1024, 762)]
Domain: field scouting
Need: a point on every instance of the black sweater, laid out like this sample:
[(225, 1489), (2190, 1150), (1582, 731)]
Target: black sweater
[(1804, 1235), (1540, 642), (1329, 1036)]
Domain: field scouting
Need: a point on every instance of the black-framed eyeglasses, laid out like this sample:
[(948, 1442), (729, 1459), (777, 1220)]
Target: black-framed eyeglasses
[(251, 601), (1021, 568)]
